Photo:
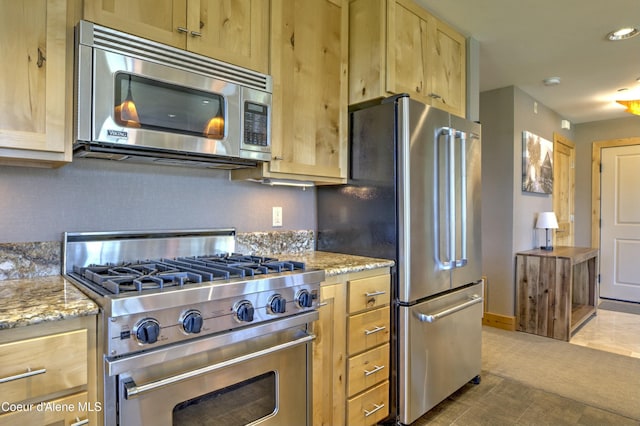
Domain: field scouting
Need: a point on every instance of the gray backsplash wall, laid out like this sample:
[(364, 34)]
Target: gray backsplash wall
[(96, 195)]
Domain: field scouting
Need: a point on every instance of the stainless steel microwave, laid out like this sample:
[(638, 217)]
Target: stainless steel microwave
[(141, 100)]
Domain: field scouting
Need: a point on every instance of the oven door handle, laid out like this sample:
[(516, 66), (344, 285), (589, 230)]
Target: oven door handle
[(132, 390)]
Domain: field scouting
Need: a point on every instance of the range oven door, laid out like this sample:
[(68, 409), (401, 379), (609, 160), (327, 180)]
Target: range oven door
[(260, 375)]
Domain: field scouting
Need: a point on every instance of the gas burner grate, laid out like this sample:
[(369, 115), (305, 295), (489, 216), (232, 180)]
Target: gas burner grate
[(178, 272)]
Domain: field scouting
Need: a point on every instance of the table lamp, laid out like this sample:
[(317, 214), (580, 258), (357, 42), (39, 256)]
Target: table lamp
[(547, 220)]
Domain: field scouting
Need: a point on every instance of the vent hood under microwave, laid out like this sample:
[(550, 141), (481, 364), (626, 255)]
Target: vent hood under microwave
[(144, 101)]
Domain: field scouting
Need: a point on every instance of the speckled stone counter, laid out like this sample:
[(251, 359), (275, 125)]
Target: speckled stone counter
[(29, 260), (32, 301), (40, 259), (275, 243), (32, 290), (338, 263)]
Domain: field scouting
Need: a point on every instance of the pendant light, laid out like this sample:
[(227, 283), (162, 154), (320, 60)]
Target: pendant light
[(633, 106), (126, 113)]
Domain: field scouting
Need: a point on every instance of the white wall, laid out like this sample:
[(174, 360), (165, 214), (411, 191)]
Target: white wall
[(585, 135), (496, 116), (527, 205), (508, 213), (98, 195)]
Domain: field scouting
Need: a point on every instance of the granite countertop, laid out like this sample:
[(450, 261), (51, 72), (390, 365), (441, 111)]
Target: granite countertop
[(337, 263), (30, 301), (35, 300)]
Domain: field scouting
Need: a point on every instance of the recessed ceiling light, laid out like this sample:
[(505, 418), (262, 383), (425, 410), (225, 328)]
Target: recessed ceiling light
[(623, 33), (551, 81)]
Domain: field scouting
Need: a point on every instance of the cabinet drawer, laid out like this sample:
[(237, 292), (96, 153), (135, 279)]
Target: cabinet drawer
[(367, 293), (44, 365), (66, 411), (368, 329), (370, 407), (368, 369)]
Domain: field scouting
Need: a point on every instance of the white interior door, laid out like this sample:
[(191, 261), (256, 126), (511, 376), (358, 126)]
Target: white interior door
[(620, 229)]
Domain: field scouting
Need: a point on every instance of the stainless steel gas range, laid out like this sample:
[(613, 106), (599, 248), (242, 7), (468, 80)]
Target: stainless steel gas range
[(192, 333)]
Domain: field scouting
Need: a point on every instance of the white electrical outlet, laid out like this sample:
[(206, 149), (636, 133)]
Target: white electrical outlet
[(277, 216)]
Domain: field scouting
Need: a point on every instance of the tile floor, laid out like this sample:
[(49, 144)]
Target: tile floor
[(611, 331), (501, 401)]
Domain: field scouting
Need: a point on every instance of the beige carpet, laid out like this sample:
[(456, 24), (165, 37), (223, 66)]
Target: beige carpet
[(601, 379)]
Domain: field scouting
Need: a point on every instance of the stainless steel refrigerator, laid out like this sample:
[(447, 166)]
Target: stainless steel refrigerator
[(413, 195)]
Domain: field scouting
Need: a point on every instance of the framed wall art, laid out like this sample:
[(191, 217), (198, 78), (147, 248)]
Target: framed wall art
[(537, 164)]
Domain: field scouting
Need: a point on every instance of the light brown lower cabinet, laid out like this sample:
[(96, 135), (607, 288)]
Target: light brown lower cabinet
[(69, 410), (48, 374), (369, 407), (368, 369), (351, 351), (329, 350)]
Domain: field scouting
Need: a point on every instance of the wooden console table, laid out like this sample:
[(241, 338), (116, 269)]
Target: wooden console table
[(555, 290)]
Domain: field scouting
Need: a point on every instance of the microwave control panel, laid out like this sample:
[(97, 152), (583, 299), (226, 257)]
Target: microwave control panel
[(256, 124)]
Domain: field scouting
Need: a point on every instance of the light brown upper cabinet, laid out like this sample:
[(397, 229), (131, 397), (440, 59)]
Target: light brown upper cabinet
[(36, 84), (309, 68), (231, 31), (395, 46)]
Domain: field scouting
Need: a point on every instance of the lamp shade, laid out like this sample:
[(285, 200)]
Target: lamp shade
[(547, 220)]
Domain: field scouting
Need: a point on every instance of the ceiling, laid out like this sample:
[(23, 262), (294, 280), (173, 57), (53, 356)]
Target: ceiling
[(523, 42)]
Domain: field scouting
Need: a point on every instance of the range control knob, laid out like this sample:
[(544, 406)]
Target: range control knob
[(147, 331), (277, 304), (304, 299), (244, 311), (192, 322)]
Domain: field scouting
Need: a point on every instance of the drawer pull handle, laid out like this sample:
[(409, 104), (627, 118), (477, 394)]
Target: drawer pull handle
[(24, 375), (375, 330), (321, 304), (378, 408), (80, 422), (375, 370), (375, 293)]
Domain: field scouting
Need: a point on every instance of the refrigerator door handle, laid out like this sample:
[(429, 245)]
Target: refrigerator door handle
[(462, 261), (431, 318), (451, 199), (446, 257)]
